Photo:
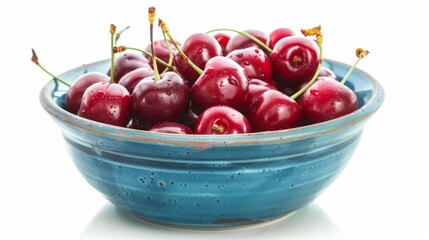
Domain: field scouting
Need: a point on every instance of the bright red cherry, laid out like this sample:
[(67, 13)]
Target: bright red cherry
[(125, 62), (278, 34), (327, 99), (274, 110), (221, 120), (223, 82), (165, 100), (106, 103), (294, 60), (255, 62), (199, 48), (239, 41), (74, 94), (171, 127)]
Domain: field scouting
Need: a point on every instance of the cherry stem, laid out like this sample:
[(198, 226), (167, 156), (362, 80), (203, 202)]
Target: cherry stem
[(317, 31), (112, 52), (118, 35), (170, 52), (218, 128), (151, 16), (35, 59), (159, 60), (360, 53), (179, 49), (257, 41)]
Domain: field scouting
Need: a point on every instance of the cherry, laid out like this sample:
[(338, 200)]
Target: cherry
[(223, 82), (107, 102), (131, 79), (255, 62), (162, 52), (74, 94), (221, 119), (223, 40), (328, 98), (159, 98), (278, 34), (274, 110), (295, 60), (199, 48), (171, 127), (239, 41), (125, 62)]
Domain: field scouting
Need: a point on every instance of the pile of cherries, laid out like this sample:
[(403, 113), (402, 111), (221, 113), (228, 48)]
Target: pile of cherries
[(214, 83)]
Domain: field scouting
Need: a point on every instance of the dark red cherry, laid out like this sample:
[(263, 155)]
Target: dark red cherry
[(131, 79), (327, 99), (221, 120), (294, 60), (223, 82), (239, 41), (223, 40), (171, 127), (74, 94), (255, 62), (161, 51), (199, 48), (278, 34), (108, 103), (125, 62), (274, 110), (165, 100)]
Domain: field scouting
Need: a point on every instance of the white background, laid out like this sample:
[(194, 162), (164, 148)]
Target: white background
[(382, 194)]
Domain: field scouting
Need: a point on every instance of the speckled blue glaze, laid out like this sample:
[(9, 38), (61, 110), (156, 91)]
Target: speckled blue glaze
[(195, 181)]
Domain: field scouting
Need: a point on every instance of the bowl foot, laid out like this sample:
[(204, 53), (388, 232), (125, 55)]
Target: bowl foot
[(234, 226)]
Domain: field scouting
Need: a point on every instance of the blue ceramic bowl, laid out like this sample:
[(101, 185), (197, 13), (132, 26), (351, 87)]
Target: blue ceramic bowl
[(206, 181)]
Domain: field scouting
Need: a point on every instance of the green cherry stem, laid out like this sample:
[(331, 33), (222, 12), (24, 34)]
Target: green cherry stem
[(179, 49), (360, 53), (170, 52), (112, 52), (35, 59), (151, 16), (257, 41)]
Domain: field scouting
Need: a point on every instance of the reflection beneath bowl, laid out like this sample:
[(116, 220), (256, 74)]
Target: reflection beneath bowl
[(310, 222)]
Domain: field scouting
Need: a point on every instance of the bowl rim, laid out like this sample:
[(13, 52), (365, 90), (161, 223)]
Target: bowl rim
[(357, 117)]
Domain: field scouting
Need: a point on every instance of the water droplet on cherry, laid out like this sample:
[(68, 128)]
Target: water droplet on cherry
[(314, 92)]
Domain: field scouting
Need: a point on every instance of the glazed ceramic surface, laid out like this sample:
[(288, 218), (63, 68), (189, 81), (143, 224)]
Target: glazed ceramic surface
[(206, 181)]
